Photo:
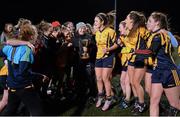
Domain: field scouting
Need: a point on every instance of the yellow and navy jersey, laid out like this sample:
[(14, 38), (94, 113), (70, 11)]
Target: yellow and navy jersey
[(152, 60), (138, 41), (142, 36), (125, 49), (139, 38), (4, 70), (124, 59), (125, 52), (161, 48), (104, 39), (131, 42)]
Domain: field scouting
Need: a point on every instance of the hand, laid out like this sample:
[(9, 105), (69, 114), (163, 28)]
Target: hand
[(6, 62), (163, 31), (85, 49), (31, 46), (6, 42), (45, 78), (105, 50), (119, 41), (69, 44)]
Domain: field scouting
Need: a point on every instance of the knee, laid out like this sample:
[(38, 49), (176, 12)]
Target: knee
[(4, 101), (135, 84), (132, 83), (175, 104), (148, 90), (106, 79), (127, 82), (122, 82), (99, 79), (154, 101)]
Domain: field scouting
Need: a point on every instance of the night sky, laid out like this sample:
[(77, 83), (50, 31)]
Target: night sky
[(84, 10)]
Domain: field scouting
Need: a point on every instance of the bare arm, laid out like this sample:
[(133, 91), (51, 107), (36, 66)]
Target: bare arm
[(15, 42), (114, 46)]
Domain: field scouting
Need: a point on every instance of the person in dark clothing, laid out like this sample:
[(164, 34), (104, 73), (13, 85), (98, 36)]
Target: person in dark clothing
[(44, 57), (20, 76), (54, 43), (85, 75), (45, 29), (63, 62)]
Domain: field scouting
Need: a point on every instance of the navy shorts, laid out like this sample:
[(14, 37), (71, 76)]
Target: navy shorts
[(124, 68), (168, 78), (107, 62), (130, 63), (139, 64), (149, 69)]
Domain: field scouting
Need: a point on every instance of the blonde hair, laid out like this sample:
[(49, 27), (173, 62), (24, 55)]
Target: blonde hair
[(27, 32)]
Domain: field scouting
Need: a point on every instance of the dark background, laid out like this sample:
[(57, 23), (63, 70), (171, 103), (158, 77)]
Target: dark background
[(83, 10)]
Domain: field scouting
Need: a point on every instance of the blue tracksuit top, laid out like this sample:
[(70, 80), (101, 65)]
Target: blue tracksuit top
[(19, 65)]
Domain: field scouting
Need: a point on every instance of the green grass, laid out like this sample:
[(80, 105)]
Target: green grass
[(83, 108), (72, 108), (91, 110)]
